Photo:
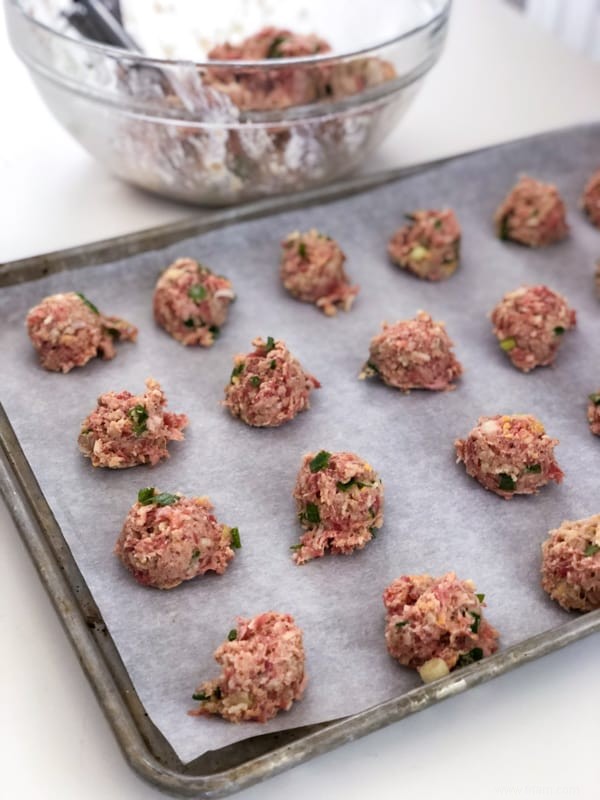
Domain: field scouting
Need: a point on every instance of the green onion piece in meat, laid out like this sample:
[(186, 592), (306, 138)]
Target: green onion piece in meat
[(591, 549), (401, 624), (138, 416), (200, 697), (480, 597), (146, 496), (476, 654), (476, 621), (506, 482), (270, 344), (595, 398), (320, 461), (302, 251), (232, 635), (197, 292), (88, 303), (165, 499), (559, 330), (255, 381), (312, 514), (235, 538)]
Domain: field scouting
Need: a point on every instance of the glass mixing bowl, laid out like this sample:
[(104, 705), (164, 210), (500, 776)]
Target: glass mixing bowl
[(218, 132)]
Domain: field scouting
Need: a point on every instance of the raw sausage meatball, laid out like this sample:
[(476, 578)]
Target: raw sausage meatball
[(263, 671), (429, 246), (593, 413), (67, 330), (339, 500), (312, 269), (127, 429), (268, 386), (532, 214), (168, 538), (436, 624), (529, 323), (413, 354), (590, 200), (191, 303), (571, 564), (509, 454)]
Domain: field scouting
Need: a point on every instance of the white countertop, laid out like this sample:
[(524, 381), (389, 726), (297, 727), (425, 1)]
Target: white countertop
[(531, 733)]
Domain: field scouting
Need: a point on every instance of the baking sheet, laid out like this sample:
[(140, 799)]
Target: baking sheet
[(436, 517)]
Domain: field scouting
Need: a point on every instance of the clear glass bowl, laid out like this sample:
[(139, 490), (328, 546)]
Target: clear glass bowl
[(220, 132)]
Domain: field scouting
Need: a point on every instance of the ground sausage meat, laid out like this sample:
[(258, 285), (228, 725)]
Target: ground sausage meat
[(571, 564), (67, 330), (263, 671), (532, 214), (529, 324), (168, 538), (339, 500), (436, 619), (127, 429), (268, 386), (413, 354), (428, 246), (593, 412), (191, 303), (510, 454), (590, 200), (312, 269), (287, 85)]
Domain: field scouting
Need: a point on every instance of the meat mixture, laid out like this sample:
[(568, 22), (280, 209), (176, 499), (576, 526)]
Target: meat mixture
[(312, 270), (284, 86), (571, 564), (191, 303), (339, 500), (529, 324), (593, 412), (127, 429), (268, 386), (436, 624), (509, 454), (532, 214), (67, 330), (428, 246), (413, 354), (590, 200), (263, 671), (168, 538)]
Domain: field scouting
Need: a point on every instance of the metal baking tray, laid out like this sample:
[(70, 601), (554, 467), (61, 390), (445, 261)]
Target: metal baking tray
[(231, 768)]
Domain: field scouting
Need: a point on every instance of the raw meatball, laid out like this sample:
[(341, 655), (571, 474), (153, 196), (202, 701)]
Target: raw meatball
[(436, 624), (67, 330), (593, 412), (168, 538), (268, 386), (127, 429), (532, 214), (191, 303), (264, 89), (429, 246), (529, 324), (571, 564), (339, 500), (312, 269), (590, 200), (413, 354), (509, 454), (263, 671)]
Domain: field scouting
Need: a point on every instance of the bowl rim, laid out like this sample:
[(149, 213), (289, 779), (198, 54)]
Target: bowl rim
[(279, 63)]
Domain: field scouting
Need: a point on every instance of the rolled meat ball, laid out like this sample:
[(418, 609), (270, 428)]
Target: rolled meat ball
[(509, 454), (436, 624), (593, 412), (167, 539), (268, 386), (339, 500), (571, 564), (413, 354), (67, 330), (590, 200), (533, 214), (263, 671), (125, 429), (429, 245), (191, 302), (529, 324), (312, 270)]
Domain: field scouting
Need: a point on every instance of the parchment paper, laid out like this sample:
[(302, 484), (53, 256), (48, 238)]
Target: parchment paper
[(436, 517)]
